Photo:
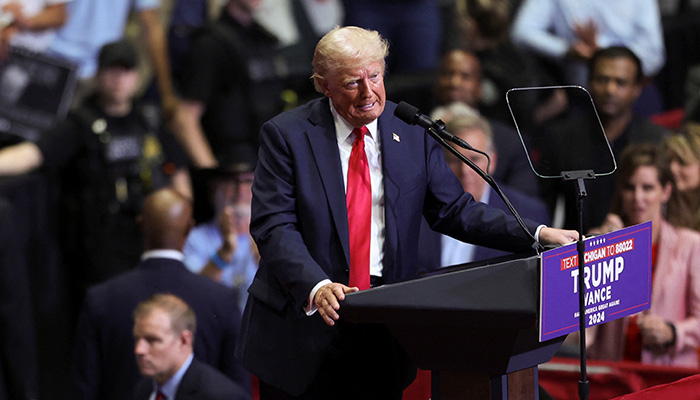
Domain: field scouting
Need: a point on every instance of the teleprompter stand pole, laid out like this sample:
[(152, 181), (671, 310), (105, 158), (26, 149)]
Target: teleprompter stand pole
[(579, 176)]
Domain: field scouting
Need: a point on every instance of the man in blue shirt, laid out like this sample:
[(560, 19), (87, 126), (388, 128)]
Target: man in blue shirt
[(569, 32), (221, 247), (92, 24)]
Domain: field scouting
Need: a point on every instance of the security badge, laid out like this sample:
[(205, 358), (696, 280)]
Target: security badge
[(118, 149), (99, 128)]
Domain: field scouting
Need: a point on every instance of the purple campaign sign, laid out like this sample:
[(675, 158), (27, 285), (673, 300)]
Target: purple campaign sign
[(617, 274)]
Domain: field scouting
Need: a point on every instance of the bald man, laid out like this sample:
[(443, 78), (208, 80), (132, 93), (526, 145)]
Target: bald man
[(103, 363)]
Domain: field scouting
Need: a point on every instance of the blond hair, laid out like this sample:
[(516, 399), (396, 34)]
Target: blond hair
[(684, 206), (685, 145), (182, 317), (345, 48)]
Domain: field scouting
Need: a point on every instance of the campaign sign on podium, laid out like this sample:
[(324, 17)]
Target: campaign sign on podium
[(617, 276)]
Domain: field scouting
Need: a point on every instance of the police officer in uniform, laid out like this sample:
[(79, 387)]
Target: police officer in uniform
[(108, 154)]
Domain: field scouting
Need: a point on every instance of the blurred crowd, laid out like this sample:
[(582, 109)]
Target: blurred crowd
[(165, 110)]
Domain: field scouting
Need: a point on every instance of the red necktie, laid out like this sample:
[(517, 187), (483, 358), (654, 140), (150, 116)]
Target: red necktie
[(359, 203), (160, 396)]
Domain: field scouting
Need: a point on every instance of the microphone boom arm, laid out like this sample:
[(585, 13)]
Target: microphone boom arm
[(437, 131)]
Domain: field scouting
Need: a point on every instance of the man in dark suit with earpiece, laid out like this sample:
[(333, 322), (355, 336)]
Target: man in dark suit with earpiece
[(164, 331), (103, 364)]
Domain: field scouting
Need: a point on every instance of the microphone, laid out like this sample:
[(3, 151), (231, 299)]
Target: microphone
[(410, 115)]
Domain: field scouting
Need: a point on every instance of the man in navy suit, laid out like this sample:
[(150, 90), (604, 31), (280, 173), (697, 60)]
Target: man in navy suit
[(292, 336), (436, 249), (103, 364), (164, 331)]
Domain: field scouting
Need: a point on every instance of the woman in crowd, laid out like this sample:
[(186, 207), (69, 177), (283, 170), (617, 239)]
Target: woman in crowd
[(669, 332), (683, 150)]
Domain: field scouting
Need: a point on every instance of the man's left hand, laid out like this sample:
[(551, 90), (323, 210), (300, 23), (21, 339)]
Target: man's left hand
[(554, 236)]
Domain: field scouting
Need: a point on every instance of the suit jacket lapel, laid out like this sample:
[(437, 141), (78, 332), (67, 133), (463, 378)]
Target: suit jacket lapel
[(391, 161), (324, 146)]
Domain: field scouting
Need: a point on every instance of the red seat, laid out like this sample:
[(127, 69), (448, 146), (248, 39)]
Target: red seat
[(608, 379), (420, 388), (671, 119), (686, 388)]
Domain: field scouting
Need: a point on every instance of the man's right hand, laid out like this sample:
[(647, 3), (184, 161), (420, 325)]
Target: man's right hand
[(586, 42), (229, 243), (328, 298), (228, 224)]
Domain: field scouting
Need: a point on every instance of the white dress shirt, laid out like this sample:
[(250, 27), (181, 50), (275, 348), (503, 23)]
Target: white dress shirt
[(163, 253), (346, 138), (455, 252)]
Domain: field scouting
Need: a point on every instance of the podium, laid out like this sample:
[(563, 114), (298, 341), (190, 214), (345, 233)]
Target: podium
[(475, 327)]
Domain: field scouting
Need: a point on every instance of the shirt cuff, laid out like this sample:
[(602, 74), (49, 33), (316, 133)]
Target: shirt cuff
[(537, 232), (311, 308)]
